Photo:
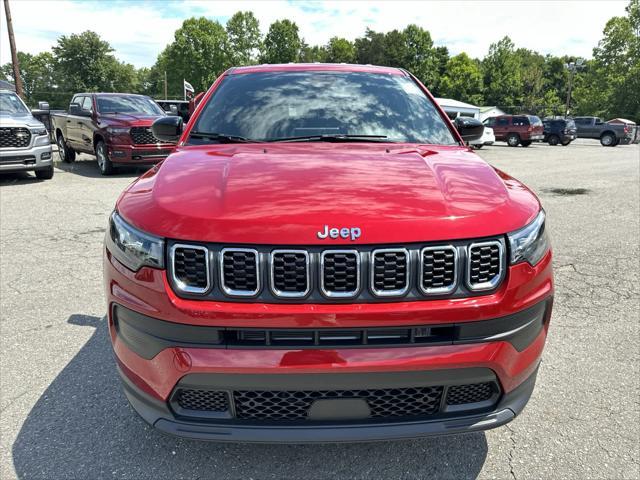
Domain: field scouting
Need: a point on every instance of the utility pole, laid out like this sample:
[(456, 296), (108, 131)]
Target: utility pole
[(573, 67), (14, 54), (165, 84)]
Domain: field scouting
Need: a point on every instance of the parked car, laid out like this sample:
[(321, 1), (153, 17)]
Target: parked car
[(516, 129), (305, 269), (609, 134), (176, 107), (488, 138), (24, 141), (559, 131), (115, 127)]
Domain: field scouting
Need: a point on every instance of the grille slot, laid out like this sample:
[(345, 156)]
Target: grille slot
[(295, 404), (203, 400), (191, 268), (390, 272), (340, 273), (474, 393), (143, 136), (239, 272), (290, 273), (438, 269), (484, 265), (14, 137)]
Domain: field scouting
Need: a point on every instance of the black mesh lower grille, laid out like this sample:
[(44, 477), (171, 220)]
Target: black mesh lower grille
[(239, 270), (341, 273), (390, 271), (290, 272), (203, 400), (190, 267), (484, 263), (438, 269), (476, 392)]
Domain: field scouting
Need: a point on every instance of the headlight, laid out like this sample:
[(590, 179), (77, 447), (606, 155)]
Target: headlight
[(132, 247), (530, 243), (117, 130), (39, 131)]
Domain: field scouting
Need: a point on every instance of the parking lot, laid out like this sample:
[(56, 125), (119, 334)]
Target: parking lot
[(65, 416)]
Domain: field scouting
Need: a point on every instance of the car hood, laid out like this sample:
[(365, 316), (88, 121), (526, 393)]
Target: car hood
[(127, 120), (286, 193), (19, 120)]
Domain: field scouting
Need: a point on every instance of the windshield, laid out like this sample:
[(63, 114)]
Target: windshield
[(10, 104), (268, 106), (134, 105)]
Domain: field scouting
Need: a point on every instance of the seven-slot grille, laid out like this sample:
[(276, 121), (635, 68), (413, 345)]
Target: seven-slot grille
[(484, 265), (14, 137), (336, 274), (390, 275), (143, 136), (239, 271), (191, 267), (290, 273), (340, 273), (438, 267)]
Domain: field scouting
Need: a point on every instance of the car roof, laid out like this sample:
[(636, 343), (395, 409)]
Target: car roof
[(326, 67), (109, 94)]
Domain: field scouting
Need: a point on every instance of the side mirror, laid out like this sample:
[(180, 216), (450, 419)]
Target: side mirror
[(173, 110), (44, 106), (469, 128), (74, 109), (167, 129)]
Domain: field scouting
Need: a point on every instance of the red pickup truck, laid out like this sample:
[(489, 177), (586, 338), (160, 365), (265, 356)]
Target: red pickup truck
[(115, 127), (324, 259)]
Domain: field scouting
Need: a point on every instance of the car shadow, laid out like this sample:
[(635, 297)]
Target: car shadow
[(19, 178), (82, 427), (87, 166)]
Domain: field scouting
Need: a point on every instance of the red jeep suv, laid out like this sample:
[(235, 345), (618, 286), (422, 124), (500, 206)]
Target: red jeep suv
[(516, 129), (323, 259)]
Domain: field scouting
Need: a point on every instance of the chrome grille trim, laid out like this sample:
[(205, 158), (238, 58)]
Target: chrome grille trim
[(330, 294), (180, 285), (372, 276), (477, 287), (439, 290), (239, 293), (280, 293)]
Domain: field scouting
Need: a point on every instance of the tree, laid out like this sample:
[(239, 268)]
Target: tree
[(370, 49), (502, 74), (420, 58), (245, 40), (340, 50), (282, 43), (462, 80), (38, 76), (310, 54)]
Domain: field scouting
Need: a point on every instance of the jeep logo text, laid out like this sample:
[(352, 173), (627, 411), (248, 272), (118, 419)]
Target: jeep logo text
[(353, 233)]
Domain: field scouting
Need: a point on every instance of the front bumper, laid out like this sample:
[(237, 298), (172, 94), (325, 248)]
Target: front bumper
[(139, 154), (23, 159)]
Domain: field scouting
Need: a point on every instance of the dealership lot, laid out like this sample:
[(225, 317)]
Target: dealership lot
[(65, 416)]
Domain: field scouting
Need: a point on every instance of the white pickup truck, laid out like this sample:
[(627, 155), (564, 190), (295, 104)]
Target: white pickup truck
[(24, 141)]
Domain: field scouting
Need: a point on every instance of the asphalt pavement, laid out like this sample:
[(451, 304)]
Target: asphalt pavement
[(63, 414)]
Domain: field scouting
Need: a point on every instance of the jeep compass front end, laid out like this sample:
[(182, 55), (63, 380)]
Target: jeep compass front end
[(323, 259)]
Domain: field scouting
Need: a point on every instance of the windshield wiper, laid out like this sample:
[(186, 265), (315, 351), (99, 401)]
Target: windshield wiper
[(337, 137), (221, 137)]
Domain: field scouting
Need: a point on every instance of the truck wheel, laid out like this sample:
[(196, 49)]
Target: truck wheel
[(526, 143), (554, 140), (608, 140), (564, 144), (477, 146), (513, 139), (104, 164), (44, 173), (67, 154)]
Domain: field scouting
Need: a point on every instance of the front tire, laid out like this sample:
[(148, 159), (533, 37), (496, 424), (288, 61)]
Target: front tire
[(608, 140), (477, 147), (44, 173), (513, 139), (564, 144), (67, 154), (104, 163), (553, 140)]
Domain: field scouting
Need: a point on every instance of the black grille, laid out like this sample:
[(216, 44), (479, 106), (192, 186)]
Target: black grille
[(23, 159), (290, 273), (484, 263), (239, 271), (438, 269), (151, 153), (390, 271), (295, 405), (143, 136), (477, 392), (203, 400), (340, 273), (190, 267), (14, 137)]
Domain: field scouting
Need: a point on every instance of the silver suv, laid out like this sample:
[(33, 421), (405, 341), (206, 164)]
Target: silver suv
[(24, 141)]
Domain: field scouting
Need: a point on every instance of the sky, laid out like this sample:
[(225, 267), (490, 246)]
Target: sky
[(139, 30)]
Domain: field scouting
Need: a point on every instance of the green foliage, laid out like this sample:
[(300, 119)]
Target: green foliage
[(245, 41), (340, 50), (310, 54), (462, 80), (282, 43), (370, 48), (502, 74)]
